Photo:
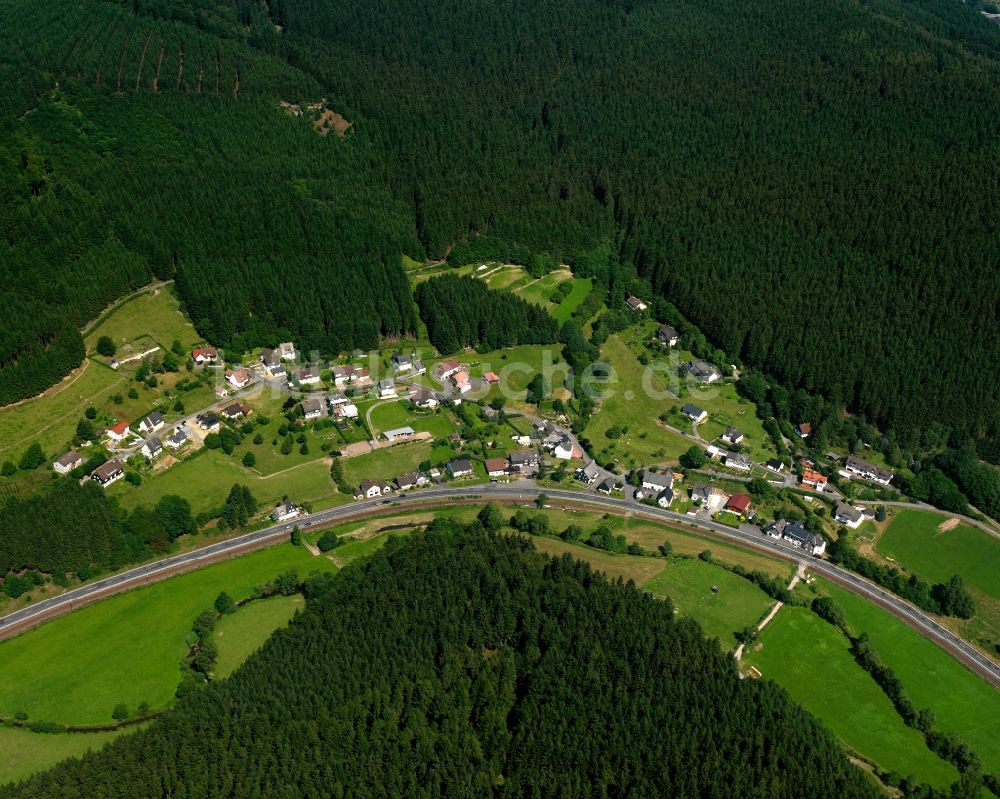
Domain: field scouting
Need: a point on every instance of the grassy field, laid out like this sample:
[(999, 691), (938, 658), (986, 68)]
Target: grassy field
[(390, 415), (128, 648), (24, 753), (630, 406), (581, 288), (810, 659), (737, 604), (385, 464), (912, 538), (962, 702), (539, 292), (242, 633), (51, 418), (206, 479), (628, 567), (155, 314)]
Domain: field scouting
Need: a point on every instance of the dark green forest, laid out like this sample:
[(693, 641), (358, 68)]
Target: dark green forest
[(462, 664), (817, 191), (462, 311)]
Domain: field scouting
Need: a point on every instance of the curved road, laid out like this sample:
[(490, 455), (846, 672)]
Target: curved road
[(525, 490)]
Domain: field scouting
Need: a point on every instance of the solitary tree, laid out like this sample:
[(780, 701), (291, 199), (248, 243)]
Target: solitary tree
[(296, 536), (224, 604), (540, 501), (491, 517), (105, 346), (328, 541), (249, 460), (120, 713), (694, 457)]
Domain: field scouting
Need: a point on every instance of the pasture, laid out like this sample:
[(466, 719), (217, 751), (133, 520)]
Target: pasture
[(242, 633), (962, 702), (811, 660), (688, 583), (23, 753), (127, 648)]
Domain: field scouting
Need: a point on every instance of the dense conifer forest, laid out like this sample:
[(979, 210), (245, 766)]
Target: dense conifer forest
[(817, 191), (462, 664), (462, 311)]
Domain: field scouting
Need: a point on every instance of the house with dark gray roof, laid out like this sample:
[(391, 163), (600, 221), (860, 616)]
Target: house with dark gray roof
[(694, 413), (668, 336)]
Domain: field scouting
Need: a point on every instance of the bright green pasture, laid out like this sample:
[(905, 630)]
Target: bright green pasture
[(127, 648)]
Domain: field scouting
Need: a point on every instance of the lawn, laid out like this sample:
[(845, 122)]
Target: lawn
[(539, 292), (912, 538), (156, 314), (737, 604), (269, 459), (628, 567), (962, 702), (128, 648), (51, 419), (630, 404), (24, 753), (242, 633), (205, 481), (581, 288), (387, 463), (390, 415), (811, 660)]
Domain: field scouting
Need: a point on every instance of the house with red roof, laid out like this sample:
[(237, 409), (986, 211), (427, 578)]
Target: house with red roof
[(119, 430), (814, 480), (491, 377), (738, 504), (202, 355)]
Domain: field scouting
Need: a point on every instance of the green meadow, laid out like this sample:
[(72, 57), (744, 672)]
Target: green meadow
[(811, 660), (242, 633), (736, 604), (128, 648)]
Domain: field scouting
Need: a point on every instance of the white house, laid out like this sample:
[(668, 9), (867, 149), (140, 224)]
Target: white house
[(373, 488), (203, 355), (118, 431), (668, 336), (868, 471), (402, 363), (306, 376), (312, 408), (704, 372), (461, 381), (735, 460), (178, 438), (798, 534), (68, 462), (285, 511), (108, 473), (272, 362), (636, 304), (151, 447), (460, 468), (425, 399), (848, 516), (347, 411), (287, 351), (651, 481), (732, 436), (405, 482), (665, 498), (386, 389), (237, 378), (151, 423), (496, 467), (564, 450), (694, 413)]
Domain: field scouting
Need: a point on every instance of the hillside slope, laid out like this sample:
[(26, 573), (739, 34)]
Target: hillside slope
[(460, 664), (818, 191)]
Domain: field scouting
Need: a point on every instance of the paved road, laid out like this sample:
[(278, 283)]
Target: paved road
[(525, 491)]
